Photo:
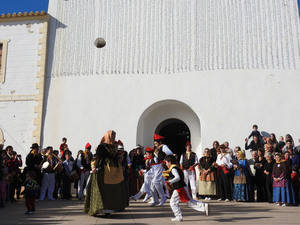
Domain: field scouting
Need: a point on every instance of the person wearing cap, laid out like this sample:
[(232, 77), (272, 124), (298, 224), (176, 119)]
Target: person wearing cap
[(158, 143), (84, 164), (34, 162), (157, 167), (126, 162), (188, 161)]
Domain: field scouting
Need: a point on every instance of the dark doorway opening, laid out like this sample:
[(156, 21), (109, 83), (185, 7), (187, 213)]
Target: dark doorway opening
[(176, 134)]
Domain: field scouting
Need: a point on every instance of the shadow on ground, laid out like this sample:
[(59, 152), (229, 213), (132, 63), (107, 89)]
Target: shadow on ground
[(70, 212)]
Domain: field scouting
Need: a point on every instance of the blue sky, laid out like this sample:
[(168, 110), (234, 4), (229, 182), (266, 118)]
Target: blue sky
[(11, 6)]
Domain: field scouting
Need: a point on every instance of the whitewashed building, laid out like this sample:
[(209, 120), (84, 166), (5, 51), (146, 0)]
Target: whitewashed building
[(202, 69), (23, 46)]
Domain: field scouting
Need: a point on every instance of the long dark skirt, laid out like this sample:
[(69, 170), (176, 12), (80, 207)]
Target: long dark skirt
[(261, 188), (224, 185), (66, 187), (269, 188), (114, 196)]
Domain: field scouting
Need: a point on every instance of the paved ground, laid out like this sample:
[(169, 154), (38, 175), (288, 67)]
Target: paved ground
[(70, 212)]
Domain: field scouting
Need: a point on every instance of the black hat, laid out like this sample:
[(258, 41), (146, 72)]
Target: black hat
[(35, 146)]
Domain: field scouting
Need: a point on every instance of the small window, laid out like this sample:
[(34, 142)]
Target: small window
[(3, 51)]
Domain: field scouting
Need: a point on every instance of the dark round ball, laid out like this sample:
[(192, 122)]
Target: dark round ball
[(100, 42)]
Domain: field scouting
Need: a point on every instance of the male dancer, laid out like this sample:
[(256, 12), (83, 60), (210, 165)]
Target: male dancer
[(148, 176), (188, 161), (158, 143), (175, 179), (160, 152)]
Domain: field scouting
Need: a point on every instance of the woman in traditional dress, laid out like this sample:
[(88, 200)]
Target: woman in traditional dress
[(106, 191), (241, 169), (207, 185), (279, 174)]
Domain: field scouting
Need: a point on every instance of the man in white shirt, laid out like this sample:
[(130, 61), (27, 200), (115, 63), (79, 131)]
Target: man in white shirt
[(224, 165), (188, 161)]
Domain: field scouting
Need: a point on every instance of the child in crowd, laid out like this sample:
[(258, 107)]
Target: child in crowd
[(30, 192), (68, 165), (175, 179), (254, 132)]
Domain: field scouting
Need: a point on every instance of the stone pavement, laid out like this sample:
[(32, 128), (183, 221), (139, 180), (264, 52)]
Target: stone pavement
[(70, 212)]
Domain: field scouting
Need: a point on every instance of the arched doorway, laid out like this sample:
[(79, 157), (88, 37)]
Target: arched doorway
[(176, 134), (165, 117)]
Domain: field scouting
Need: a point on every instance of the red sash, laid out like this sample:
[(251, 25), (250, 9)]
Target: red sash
[(225, 170), (183, 195)]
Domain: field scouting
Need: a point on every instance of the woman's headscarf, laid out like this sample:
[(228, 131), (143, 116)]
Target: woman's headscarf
[(109, 137)]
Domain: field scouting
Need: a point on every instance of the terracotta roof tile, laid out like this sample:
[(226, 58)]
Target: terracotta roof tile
[(24, 14)]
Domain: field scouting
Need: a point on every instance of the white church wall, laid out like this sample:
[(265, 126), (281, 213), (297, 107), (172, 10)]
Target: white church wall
[(234, 63), (165, 37), (227, 104)]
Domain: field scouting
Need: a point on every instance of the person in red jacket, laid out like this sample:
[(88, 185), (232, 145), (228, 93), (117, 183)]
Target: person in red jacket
[(63, 146)]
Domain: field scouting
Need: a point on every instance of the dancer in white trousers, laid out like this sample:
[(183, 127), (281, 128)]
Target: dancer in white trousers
[(158, 144), (148, 176), (188, 161), (157, 168), (146, 187), (175, 178), (157, 189)]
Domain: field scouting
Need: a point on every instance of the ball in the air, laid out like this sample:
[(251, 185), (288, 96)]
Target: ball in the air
[(100, 42)]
